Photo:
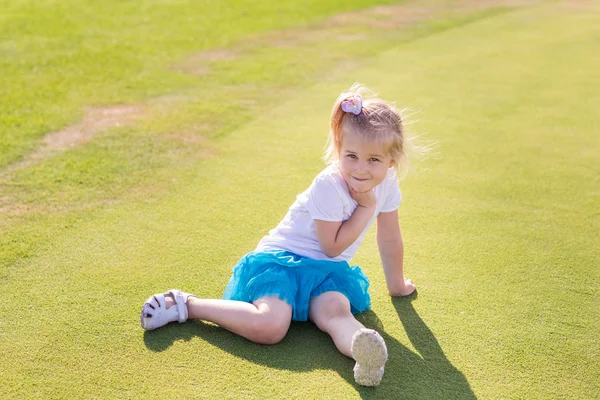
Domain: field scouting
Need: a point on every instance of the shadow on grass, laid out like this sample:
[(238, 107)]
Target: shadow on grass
[(426, 375)]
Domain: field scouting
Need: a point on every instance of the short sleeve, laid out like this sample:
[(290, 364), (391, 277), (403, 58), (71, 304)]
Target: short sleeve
[(324, 201), (393, 194)]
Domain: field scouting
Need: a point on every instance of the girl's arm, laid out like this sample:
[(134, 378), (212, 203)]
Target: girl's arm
[(391, 250), (335, 237)]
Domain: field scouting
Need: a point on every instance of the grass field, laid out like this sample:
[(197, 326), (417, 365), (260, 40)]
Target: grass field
[(149, 145)]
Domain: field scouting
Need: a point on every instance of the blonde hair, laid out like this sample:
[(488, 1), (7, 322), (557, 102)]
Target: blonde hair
[(378, 122)]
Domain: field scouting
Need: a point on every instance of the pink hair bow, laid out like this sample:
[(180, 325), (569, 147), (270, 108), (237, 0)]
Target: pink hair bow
[(352, 105)]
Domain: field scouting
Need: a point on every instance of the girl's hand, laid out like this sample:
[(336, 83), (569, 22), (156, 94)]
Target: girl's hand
[(364, 199)]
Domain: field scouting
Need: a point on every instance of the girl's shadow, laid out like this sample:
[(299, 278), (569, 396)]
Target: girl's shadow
[(408, 375)]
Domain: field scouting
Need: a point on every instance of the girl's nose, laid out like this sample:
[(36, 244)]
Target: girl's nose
[(361, 167)]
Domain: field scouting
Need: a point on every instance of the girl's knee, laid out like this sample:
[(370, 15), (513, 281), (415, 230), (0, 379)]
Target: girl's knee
[(269, 329), (273, 321), (330, 305)]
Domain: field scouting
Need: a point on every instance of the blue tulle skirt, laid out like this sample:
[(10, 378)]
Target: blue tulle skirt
[(296, 279)]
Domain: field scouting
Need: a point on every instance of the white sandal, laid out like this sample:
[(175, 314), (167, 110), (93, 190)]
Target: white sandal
[(370, 353), (156, 314)]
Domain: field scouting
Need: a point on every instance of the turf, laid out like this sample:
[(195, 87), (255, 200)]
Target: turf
[(500, 221)]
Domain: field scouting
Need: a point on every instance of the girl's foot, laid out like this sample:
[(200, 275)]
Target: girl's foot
[(370, 353), (160, 309)]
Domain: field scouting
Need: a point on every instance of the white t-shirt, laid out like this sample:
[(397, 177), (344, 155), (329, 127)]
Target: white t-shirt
[(327, 199)]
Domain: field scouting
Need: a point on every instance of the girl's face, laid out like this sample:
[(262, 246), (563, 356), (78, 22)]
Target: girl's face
[(363, 165)]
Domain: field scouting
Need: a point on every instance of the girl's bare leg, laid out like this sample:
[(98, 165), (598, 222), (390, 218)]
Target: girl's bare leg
[(330, 311), (264, 321)]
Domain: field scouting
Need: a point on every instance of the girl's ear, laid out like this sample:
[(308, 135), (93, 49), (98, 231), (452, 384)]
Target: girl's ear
[(392, 164)]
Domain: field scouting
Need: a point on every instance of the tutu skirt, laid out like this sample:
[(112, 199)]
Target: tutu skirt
[(295, 280)]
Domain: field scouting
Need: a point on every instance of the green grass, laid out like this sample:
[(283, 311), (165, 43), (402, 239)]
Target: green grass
[(58, 56), (500, 223)]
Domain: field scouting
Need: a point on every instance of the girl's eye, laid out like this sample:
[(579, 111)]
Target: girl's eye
[(374, 159), (352, 155)]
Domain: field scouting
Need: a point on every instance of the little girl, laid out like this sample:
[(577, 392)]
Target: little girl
[(300, 270)]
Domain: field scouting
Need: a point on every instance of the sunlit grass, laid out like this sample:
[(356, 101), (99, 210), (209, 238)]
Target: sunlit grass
[(500, 222)]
